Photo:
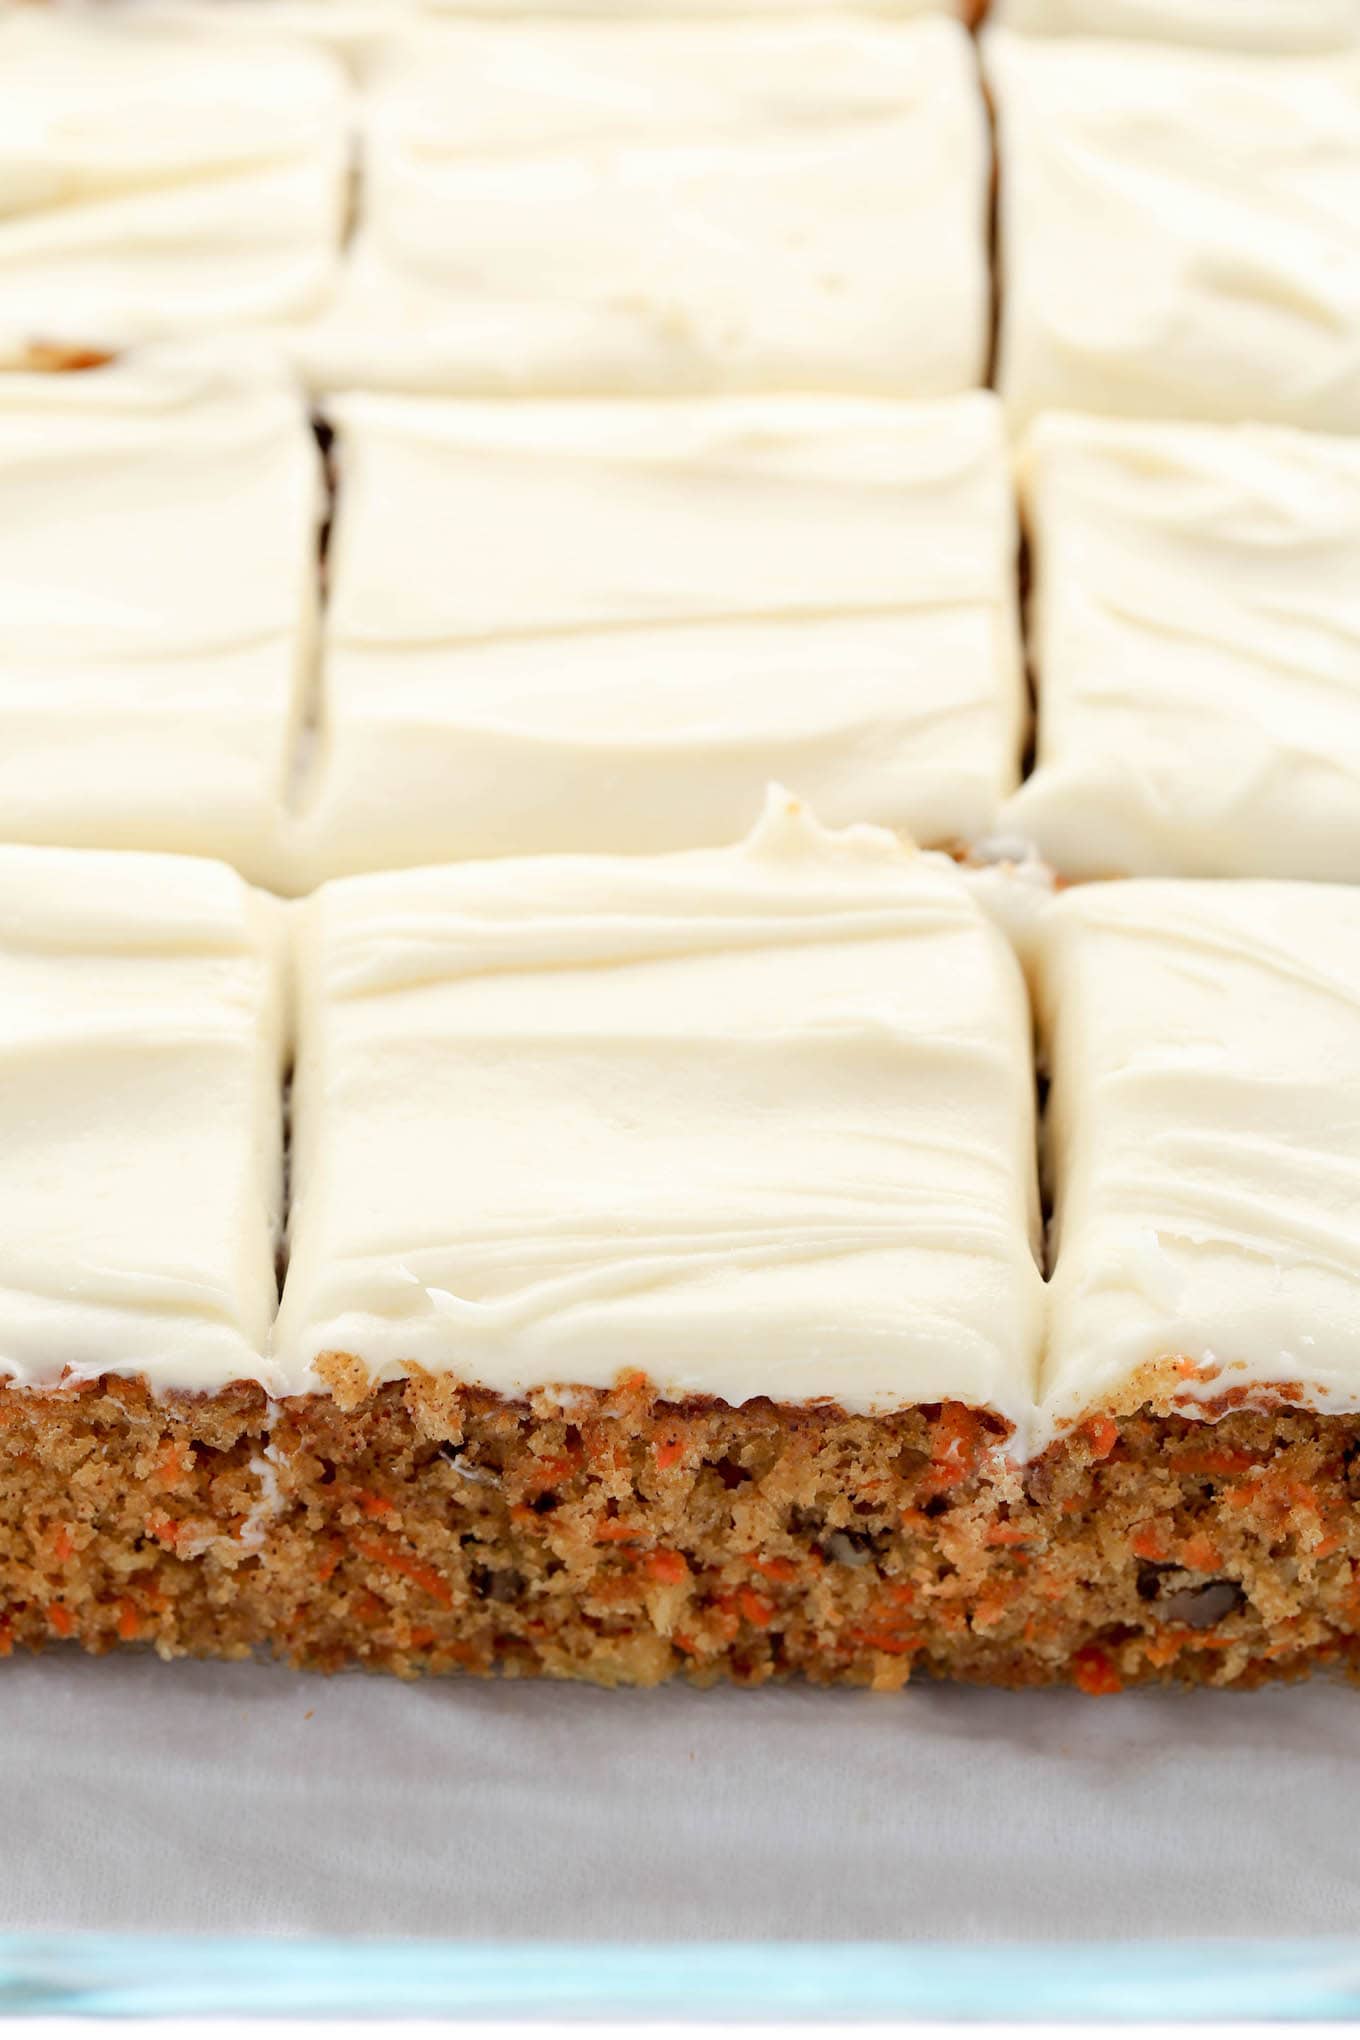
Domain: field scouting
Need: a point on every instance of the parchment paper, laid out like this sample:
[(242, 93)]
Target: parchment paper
[(243, 1799)]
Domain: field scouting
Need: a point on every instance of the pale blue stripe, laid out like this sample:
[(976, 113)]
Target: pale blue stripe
[(127, 1976)]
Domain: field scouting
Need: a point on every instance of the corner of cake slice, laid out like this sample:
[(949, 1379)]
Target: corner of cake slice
[(1203, 1147)]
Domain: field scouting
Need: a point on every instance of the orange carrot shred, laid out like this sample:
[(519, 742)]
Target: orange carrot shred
[(669, 1567), (61, 1619), (781, 1569), (1095, 1673), (613, 1530), (1102, 1434), (383, 1551), (1200, 1554), (755, 1607), (885, 1640), (669, 1451)]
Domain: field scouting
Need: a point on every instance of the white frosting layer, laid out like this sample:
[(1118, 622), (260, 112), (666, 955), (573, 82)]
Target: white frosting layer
[(755, 1121), (1204, 1138), (155, 181), (629, 10), (1227, 24), (1195, 628), (667, 206), (357, 32), (158, 525), (1180, 231), (140, 1064), (718, 589)]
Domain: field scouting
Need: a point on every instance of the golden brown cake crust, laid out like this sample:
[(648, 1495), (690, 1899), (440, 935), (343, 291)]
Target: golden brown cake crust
[(430, 1527)]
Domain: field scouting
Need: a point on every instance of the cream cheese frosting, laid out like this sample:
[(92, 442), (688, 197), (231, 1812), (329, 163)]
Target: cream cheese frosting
[(719, 588), (630, 10), (158, 536), (1282, 25), (141, 1051), (1195, 630), (755, 1121), (1180, 231), (667, 206), (155, 181), (1203, 1137)]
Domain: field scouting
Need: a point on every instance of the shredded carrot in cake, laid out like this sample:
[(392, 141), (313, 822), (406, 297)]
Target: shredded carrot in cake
[(169, 1468), (613, 1530), (669, 1567), (757, 1608), (889, 1641), (668, 1452), (1200, 1554), (1102, 1435), (384, 1551), (956, 1447), (782, 1570), (1093, 1670), (1214, 1460)]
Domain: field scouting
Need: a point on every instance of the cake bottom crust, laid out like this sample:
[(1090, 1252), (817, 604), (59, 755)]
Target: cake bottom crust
[(428, 1527)]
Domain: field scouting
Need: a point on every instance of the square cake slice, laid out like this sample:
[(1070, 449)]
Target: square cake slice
[(591, 627), (1203, 1151), (155, 181), (158, 546), (1282, 25), (657, 207), (1195, 630), (662, 1231), (141, 1057), (1180, 231)]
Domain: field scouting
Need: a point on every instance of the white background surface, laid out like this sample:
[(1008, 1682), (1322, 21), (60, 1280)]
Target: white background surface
[(241, 1799)]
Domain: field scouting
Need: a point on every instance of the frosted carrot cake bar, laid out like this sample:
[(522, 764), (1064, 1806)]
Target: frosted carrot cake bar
[(158, 592), (155, 181), (820, 587), (664, 206), (1195, 638), (1281, 25), (1179, 231)]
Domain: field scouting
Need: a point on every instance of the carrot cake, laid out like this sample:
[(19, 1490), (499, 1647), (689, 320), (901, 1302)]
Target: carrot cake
[(158, 545), (666, 206), (662, 1289), (157, 182), (1195, 636), (1179, 231), (1203, 1152), (1281, 25), (721, 588)]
